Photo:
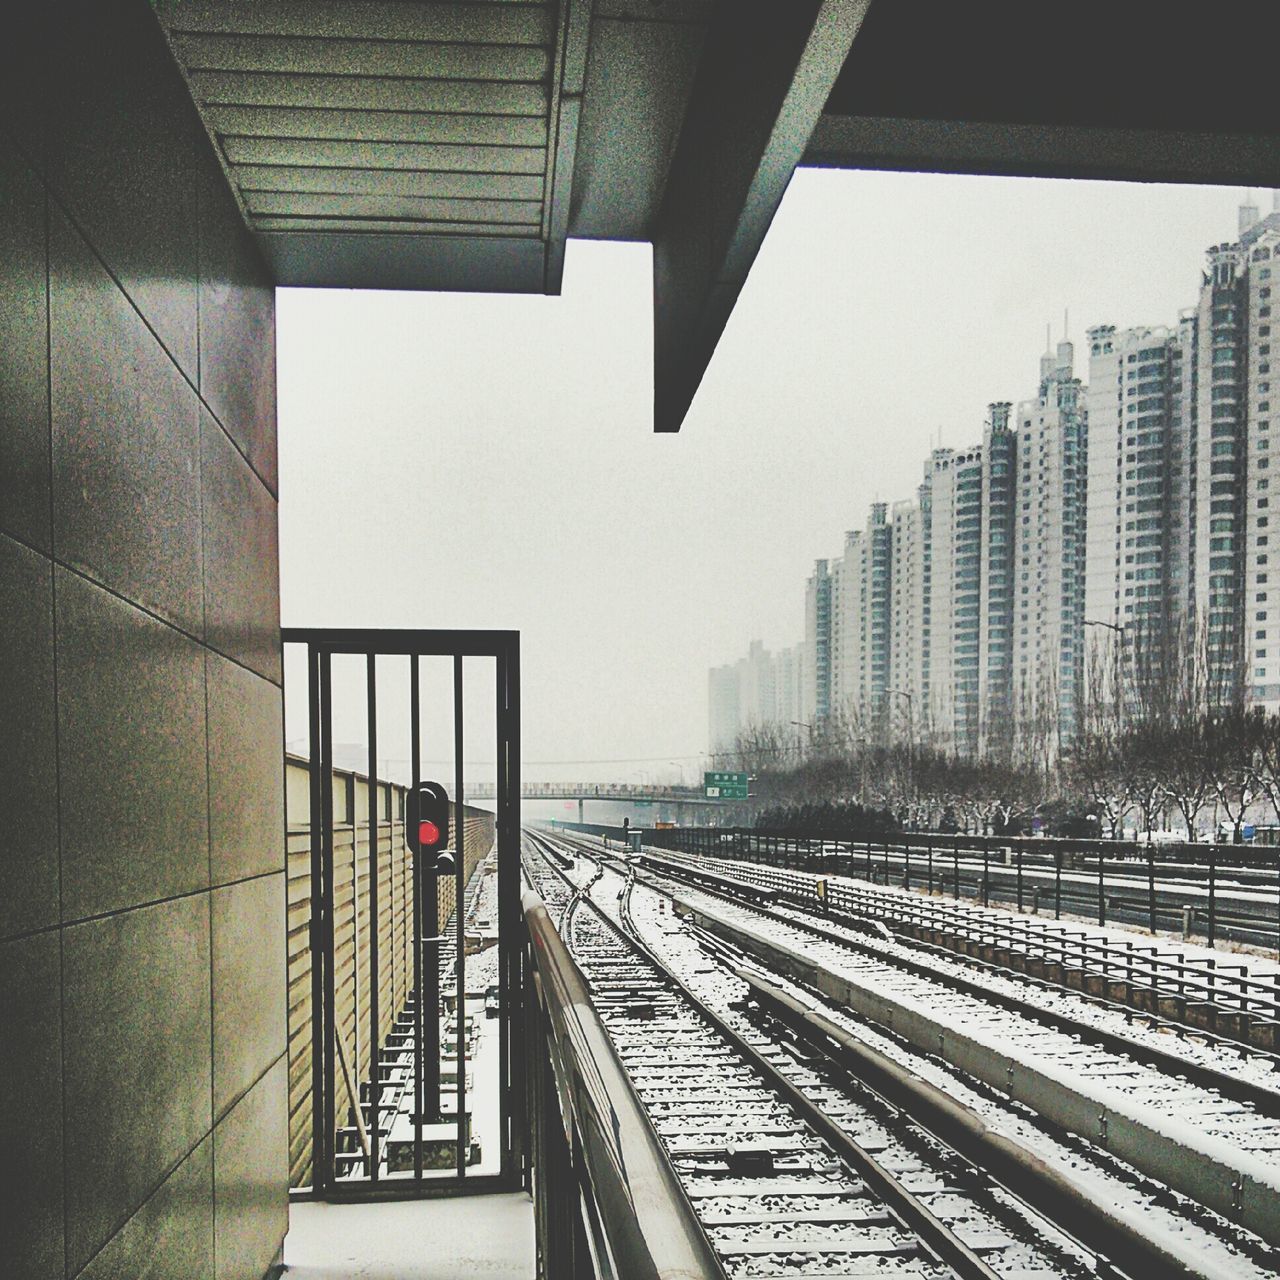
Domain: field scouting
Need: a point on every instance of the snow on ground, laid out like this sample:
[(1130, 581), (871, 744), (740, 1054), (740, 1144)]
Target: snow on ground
[(1103, 1179)]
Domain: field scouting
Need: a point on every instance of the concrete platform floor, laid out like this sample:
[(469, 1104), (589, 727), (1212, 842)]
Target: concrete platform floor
[(486, 1237)]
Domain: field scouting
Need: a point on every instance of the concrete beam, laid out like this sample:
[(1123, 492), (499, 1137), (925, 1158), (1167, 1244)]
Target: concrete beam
[(766, 71), (1043, 150)]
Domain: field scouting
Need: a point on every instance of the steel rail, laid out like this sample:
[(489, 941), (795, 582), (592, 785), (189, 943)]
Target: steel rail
[(937, 1237), (1267, 1101), (1014, 1166), (651, 1228), (1021, 1172)]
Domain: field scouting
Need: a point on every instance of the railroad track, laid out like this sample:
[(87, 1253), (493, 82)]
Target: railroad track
[(781, 1189), (1157, 986), (1206, 1235)]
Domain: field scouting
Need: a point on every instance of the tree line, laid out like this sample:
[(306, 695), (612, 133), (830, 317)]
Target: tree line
[(1161, 740)]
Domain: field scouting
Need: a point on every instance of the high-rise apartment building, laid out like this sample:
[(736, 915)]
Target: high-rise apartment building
[(761, 690), (1119, 530), (788, 713), (816, 670), (954, 713), (1222, 455), (1049, 547), (1139, 513), (723, 709), (999, 549), (861, 622), (909, 618), (1260, 244)]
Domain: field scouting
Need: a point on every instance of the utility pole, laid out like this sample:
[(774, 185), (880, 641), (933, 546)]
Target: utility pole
[(1118, 628)]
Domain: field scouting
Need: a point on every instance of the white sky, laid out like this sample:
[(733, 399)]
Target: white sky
[(497, 451)]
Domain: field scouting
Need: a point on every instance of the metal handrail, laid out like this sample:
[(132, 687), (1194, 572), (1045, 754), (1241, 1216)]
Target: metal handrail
[(639, 1221)]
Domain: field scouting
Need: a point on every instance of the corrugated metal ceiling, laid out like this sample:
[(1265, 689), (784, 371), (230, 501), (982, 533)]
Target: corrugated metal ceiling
[(389, 122)]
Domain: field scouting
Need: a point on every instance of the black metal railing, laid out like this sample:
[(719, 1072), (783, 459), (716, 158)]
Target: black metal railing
[(1206, 992), (607, 1201), (381, 1119), (1213, 892)]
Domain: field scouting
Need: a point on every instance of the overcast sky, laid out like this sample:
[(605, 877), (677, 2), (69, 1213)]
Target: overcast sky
[(498, 451)]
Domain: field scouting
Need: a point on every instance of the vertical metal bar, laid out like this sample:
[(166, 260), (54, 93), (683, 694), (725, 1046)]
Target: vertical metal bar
[(375, 1030), (906, 874), (1151, 889), (1019, 877), (1057, 884), (320, 1160), (955, 866), (507, 1034), (986, 872), (419, 969), (930, 879), (329, 1027), (1102, 893), (1213, 895), (459, 911), (514, 1124)]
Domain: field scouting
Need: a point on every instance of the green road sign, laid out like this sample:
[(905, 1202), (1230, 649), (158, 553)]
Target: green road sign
[(720, 785)]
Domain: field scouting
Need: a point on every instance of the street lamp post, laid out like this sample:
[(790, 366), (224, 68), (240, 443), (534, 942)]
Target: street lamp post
[(805, 724), (1118, 628)]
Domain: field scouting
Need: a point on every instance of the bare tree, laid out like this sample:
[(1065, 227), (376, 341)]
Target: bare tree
[(1186, 769), (1095, 768), (1232, 738)]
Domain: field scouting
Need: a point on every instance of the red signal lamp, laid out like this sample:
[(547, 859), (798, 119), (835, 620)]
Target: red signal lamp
[(426, 819)]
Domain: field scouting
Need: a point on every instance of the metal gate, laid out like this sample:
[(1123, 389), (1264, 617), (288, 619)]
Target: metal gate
[(392, 1119)]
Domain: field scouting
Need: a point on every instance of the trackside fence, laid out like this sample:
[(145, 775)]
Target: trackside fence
[(1213, 892)]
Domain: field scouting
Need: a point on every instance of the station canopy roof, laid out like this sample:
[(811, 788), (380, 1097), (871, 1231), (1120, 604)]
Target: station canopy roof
[(425, 144)]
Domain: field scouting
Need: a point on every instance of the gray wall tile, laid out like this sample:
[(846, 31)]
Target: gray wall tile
[(24, 76), (123, 141), (131, 746), (136, 232), (126, 450), (249, 997), (24, 354), (171, 1236), (137, 1060), (237, 329), (241, 556), (246, 796), (28, 780), (31, 1242), (251, 1178)]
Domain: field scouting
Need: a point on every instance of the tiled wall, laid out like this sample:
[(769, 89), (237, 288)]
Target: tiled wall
[(143, 1103)]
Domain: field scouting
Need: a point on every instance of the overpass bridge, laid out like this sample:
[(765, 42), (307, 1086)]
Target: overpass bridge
[(620, 792)]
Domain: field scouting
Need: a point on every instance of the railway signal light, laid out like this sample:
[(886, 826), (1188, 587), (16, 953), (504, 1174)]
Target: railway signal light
[(427, 823)]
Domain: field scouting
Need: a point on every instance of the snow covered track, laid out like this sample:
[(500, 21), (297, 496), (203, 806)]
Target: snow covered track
[(1218, 1150), (1215, 1066), (1236, 1000), (782, 1189), (1024, 1196)]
